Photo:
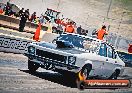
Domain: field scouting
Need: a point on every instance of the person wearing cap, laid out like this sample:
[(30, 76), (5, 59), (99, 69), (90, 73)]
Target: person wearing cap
[(101, 32)]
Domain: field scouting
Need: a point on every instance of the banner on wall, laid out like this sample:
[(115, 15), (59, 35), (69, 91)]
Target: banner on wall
[(12, 44)]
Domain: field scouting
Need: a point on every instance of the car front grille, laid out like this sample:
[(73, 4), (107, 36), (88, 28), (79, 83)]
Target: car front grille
[(51, 56)]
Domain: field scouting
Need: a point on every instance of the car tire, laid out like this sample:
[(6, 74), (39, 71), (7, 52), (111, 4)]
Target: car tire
[(32, 66), (115, 74), (81, 85), (86, 70)]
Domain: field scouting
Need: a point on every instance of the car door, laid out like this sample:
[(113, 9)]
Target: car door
[(98, 63), (110, 64)]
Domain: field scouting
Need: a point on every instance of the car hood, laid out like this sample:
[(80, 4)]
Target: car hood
[(68, 50)]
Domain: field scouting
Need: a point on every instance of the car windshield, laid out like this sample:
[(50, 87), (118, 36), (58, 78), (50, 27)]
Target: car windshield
[(80, 42)]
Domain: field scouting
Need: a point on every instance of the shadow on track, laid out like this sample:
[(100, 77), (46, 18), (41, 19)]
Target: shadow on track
[(54, 77)]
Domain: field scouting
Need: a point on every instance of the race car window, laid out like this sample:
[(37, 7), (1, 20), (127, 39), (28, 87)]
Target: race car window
[(114, 54), (103, 50), (90, 45), (109, 51), (74, 39)]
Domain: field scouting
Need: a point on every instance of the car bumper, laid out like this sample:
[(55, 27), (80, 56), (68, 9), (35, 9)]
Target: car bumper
[(43, 61)]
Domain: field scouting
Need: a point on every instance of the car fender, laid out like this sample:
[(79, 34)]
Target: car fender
[(117, 68), (86, 62), (121, 70)]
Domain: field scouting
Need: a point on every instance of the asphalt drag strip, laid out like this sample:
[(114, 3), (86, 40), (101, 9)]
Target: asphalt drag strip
[(15, 78)]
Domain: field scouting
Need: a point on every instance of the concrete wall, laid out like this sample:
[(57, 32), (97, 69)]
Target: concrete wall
[(15, 33), (19, 43), (13, 20), (14, 44)]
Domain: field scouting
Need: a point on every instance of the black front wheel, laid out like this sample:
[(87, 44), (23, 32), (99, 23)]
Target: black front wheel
[(86, 70), (115, 74), (83, 75), (32, 66)]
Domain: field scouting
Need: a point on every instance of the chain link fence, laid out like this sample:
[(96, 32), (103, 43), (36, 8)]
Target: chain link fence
[(121, 44)]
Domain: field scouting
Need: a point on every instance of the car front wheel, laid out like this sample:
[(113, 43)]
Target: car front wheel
[(85, 71), (32, 66), (115, 74)]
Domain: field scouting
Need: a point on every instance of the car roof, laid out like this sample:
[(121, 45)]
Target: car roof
[(95, 39), (83, 36)]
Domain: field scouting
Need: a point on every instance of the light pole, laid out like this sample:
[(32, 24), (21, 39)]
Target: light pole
[(107, 14), (58, 5), (123, 13)]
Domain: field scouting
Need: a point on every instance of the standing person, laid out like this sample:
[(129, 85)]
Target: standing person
[(101, 33), (79, 30), (21, 11), (1, 10), (49, 26), (41, 18), (83, 32), (24, 16), (7, 9), (69, 28), (33, 17), (27, 14), (59, 29), (37, 33)]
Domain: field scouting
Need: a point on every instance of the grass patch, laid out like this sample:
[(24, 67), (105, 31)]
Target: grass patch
[(126, 3)]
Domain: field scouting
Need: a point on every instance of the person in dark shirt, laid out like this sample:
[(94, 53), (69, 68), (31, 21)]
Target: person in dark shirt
[(59, 29), (79, 30), (27, 14), (7, 9), (33, 17), (21, 11), (83, 32), (24, 16)]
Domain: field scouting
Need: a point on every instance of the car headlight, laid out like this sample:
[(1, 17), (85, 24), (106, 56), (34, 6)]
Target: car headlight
[(31, 50), (71, 60)]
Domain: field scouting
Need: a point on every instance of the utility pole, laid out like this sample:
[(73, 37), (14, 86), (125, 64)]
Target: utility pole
[(121, 19), (107, 16), (9, 0), (58, 5)]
